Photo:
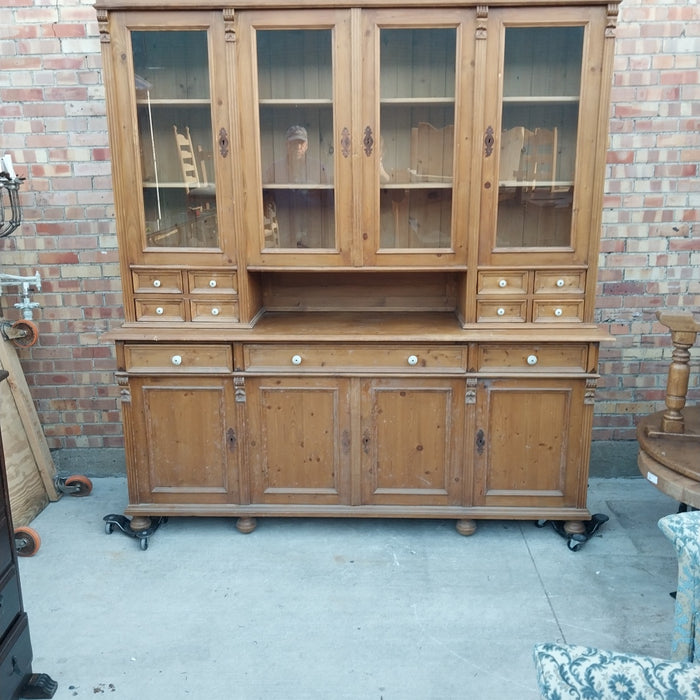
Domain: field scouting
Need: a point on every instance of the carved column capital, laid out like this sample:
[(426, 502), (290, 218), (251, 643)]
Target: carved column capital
[(103, 26), (611, 26), (482, 15), (229, 24)]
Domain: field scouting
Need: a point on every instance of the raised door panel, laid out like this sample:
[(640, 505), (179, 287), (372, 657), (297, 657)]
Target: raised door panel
[(294, 92), (170, 124), (411, 441), (183, 439), (530, 443), (543, 116), (298, 440), (417, 88)]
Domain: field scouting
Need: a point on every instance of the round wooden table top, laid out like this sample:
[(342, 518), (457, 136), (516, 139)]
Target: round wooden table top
[(681, 452)]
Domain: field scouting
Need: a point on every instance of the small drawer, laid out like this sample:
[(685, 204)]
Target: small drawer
[(7, 542), (157, 281), (502, 282), (553, 282), (216, 311), (178, 358), (207, 282), (558, 311), (160, 310), (338, 358), (505, 310), (10, 606), (508, 357), (15, 659)]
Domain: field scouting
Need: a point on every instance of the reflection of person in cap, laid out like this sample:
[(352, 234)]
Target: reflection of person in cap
[(297, 146), (296, 213), (296, 167)]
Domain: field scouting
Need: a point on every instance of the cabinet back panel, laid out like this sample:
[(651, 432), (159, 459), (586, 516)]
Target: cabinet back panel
[(359, 292)]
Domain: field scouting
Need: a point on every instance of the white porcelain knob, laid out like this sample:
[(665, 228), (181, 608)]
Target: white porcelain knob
[(560, 283), (212, 283), (501, 312), (160, 310), (215, 312), (176, 360), (532, 359), (156, 283), (502, 283), (558, 312), (412, 360), (296, 359)]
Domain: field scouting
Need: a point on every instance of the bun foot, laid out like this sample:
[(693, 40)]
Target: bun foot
[(466, 527), (246, 525)]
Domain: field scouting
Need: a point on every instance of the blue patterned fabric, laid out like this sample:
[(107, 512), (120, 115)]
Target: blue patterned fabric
[(683, 529), (567, 672)]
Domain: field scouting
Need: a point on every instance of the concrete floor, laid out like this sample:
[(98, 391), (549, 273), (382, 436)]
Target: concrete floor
[(334, 609)]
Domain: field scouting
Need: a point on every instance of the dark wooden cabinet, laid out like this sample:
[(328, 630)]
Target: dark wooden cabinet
[(16, 677), (359, 245)]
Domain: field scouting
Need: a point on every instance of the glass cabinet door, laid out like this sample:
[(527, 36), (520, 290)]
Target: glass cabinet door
[(173, 108), (408, 141), (539, 122), (533, 142), (298, 106), (169, 92)]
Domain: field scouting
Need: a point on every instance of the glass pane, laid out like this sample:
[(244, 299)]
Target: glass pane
[(541, 94), (417, 107), (295, 92), (175, 138)]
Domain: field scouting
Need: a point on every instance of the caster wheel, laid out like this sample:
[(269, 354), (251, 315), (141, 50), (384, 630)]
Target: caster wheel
[(143, 543), (27, 541), (109, 528), (78, 486), (24, 333)]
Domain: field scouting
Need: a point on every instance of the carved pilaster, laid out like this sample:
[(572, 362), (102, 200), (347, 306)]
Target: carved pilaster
[(124, 391), (470, 394), (611, 26), (589, 395), (482, 15), (103, 26), (239, 389), (230, 24)]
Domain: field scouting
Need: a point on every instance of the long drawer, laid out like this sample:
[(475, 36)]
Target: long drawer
[(330, 357), (180, 359), (524, 357)]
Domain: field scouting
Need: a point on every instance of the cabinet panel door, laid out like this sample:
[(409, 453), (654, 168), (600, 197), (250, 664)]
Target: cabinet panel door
[(417, 107), (295, 91), (411, 441), (182, 439), (173, 177), (543, 116), (530, 442), (298, 440)]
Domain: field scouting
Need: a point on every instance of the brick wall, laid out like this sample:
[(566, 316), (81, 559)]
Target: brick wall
[(650, 250), (52, 121)]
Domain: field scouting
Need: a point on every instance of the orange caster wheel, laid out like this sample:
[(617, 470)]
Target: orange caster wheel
[(76, 485), (27, 541), (23, 333)]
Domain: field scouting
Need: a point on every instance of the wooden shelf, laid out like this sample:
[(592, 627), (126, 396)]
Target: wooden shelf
[(541, 99)]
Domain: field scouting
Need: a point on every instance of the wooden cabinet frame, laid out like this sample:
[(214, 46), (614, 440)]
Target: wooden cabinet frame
[(403, 325)]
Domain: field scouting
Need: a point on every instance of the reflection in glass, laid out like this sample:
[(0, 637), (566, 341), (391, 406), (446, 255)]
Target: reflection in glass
[(173, 109), (417, 103), (541, 95), (296, 137)]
